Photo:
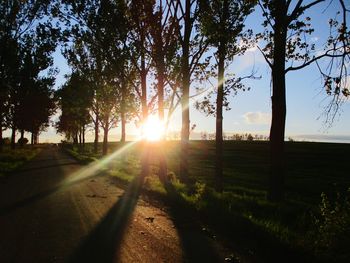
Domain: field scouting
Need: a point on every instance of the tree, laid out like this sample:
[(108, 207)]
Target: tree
[(222, 22), (101, 54), (75, 99), (185, 15), (286, 31), (28, 40)]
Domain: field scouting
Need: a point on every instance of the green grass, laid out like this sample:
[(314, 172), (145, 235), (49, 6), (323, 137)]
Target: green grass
[(10, 160), (311, 168)]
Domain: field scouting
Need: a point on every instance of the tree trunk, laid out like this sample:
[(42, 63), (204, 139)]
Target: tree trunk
[(277, 131), (80, 139), (123, 126), (143, 81), (75, 138), (13, 138), (143, 75), (83, 133), (122, 112), (105, 140), (160, 67), (32, 139), (185, 70), (22, 137), (219, 120), (96, 134)]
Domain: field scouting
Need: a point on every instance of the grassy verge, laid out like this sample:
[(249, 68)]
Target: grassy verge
[(305, 227), (82, 155), (10, 160)]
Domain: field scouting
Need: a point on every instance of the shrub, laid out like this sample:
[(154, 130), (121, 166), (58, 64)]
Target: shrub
[(333, 227), (5, 141), (22, 141)]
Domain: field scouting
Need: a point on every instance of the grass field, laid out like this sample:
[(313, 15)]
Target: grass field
[(304, 225), (10, 160)]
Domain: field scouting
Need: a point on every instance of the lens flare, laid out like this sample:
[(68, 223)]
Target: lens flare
[(153, 129)]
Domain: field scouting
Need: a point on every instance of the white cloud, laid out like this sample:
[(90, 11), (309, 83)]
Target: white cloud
[(257, 117)]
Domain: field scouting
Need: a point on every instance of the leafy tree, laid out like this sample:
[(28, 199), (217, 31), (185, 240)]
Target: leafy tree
[(286, 49), (222, 22), (75, 99), (192, 45), (28, 39), (101, 54)]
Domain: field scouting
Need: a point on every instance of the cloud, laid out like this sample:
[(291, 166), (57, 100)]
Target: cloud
[(257, 117)]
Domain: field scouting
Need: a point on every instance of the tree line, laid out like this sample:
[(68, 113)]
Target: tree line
[(133, 58)]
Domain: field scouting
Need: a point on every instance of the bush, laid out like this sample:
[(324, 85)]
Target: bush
[(333, 227), (22, 141), (5, 141)]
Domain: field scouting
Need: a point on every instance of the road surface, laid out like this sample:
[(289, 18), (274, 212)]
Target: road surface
[(55, 210)]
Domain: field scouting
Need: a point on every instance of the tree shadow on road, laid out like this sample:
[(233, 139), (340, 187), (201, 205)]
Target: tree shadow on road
[(197, 244), (103, 242), (42, 194)]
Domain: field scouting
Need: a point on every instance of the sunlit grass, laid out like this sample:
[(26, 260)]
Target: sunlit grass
[(246, 168), (95, 167)]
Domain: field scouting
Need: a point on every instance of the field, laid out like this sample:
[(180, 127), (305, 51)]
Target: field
[(305, 226)]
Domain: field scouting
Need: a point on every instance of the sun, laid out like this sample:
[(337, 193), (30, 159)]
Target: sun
[(153, 129)]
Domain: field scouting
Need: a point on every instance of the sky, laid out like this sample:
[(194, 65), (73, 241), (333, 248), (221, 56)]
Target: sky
[(251, 110)]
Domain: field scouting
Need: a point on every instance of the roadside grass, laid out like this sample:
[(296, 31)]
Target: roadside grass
[(10, 160), (241, 212)]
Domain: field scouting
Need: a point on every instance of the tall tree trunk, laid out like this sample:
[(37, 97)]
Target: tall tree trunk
[(80, 139), (219, 119), (143, 81), (143, 73), (105, 140), (22, 137), (122, 113), (13, 138), (123, 127), (83, 133), (96, 133), (277, 131), (35, 137), (160, 65), (75, 138), (185, 71), (32, 138)]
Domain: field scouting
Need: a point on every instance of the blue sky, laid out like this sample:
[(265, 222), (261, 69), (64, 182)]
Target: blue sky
[(251, 110)]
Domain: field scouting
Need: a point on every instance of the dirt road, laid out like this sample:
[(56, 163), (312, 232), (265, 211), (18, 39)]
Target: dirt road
[(55, 210)]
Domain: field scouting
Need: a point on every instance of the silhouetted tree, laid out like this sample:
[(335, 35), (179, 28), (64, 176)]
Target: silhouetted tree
[(287, 49), (75, 99), (28, 39), (193, 46), (222, 22)]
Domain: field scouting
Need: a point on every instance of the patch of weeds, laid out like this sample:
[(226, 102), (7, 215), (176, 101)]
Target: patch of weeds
[(332, 233), (10, 160), (153, 183)]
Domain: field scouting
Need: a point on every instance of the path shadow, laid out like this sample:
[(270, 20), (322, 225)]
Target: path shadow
[(197, 245), (41, 195), (104, 241), (23, 170)]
